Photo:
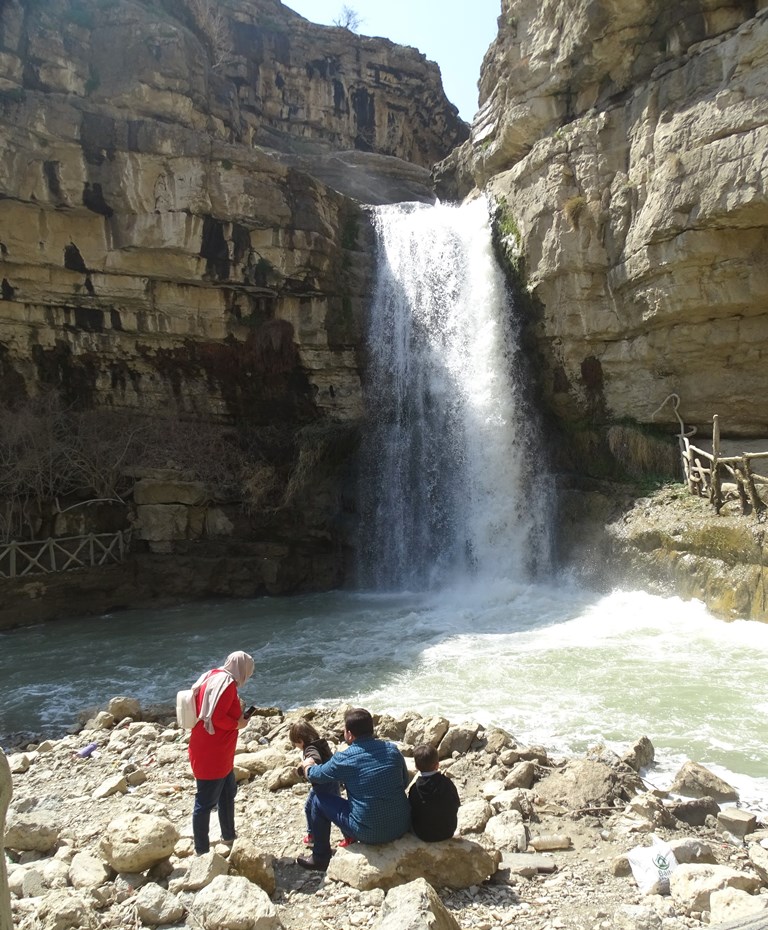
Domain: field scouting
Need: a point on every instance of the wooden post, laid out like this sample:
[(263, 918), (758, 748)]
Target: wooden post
[(13, 560), (6, 793), (716, 491), (90, 549), (757, 505)]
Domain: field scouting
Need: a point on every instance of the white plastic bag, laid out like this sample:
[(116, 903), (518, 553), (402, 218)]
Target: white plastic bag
[(652, 866), (186, 710)]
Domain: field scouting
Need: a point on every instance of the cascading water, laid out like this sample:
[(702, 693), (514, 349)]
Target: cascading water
[(446, 477)]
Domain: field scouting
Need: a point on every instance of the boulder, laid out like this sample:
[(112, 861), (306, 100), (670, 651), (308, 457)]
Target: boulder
[(730, 904), (257, 763), (121, 707), (696, 781), (690, 849), (695, 811), (507, 831), (641, 755), (736, 822), (33, 831), (200, 872), (516, 799), (458, 738), (581, 784), (63, 909), (414, 906), (758, 857), (428, 730), (26, 883), (523, 775), (497, 739), (256, 866), (156, 906), (284, 777), (231, 902), (135, 842), (88, 871), (473, 816), (649, 808), (454, 863), (692, 885)]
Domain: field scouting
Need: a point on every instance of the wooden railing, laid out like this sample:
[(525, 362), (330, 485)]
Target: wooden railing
[(723, 478), (62, 554)]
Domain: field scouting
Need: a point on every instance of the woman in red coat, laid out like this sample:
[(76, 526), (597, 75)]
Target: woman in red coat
[(212, 746)]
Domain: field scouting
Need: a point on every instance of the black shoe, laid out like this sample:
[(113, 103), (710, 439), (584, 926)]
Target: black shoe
[(309, 862)]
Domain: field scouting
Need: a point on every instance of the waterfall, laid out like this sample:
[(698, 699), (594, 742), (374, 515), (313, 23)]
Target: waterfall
[(447, 489)]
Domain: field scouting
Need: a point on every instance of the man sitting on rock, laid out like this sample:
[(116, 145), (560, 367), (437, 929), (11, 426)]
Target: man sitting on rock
[(375, 775)]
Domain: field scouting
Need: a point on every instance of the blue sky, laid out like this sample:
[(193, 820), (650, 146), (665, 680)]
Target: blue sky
[(454, 33)]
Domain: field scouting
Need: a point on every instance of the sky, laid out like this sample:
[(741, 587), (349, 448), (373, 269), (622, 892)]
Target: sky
[(454, 33)]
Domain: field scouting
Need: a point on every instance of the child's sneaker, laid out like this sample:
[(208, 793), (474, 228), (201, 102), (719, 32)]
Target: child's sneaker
[(308, 840), (347, 841)]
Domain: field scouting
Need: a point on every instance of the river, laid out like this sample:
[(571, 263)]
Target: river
[(460, 611)]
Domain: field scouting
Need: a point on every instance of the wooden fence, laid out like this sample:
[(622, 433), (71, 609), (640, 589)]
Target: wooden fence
[(724, 478), (62, 554)]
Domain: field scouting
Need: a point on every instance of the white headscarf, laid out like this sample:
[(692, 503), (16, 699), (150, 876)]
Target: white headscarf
[(237, 668)]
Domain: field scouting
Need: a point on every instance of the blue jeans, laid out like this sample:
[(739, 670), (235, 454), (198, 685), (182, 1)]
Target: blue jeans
[(212, 793), (332, 788), (324, 810)]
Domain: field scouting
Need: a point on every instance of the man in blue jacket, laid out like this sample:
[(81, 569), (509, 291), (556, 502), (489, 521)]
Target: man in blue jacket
[(376, 809)]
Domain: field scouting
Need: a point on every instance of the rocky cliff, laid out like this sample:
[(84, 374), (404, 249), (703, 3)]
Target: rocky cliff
[(181, 239), (626, 145)]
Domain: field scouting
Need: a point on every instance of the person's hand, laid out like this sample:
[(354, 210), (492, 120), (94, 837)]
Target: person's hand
[(307, 763)]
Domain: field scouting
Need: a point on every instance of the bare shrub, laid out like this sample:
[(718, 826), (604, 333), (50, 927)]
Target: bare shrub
[(348, 19), (212, 22)]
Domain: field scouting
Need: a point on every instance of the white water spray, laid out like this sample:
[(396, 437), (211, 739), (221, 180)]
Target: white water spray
[(446, 483)]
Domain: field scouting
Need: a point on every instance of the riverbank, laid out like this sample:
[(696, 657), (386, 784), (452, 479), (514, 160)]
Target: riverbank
[(557, 829)]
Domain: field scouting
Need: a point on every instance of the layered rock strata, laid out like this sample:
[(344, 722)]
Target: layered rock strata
[(176, 239), (626, 145)]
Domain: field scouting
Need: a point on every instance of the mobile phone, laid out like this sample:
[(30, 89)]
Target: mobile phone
[(249, 711)]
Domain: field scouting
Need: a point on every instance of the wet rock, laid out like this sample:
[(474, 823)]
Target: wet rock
[(497, 739), (414, 906), (454, 863), (696, 781), (135, 842), (696, 811), (641, 755)]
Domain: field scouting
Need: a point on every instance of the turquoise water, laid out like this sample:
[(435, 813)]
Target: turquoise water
[(554, 664)]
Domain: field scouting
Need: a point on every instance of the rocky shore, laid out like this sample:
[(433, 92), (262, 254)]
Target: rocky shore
[(99, 836)]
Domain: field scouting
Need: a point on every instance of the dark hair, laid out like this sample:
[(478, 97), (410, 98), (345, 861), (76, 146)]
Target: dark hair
[(359, 722), (425, 757), (302, 732)]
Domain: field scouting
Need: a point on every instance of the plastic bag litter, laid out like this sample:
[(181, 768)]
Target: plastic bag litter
[(652, 866)]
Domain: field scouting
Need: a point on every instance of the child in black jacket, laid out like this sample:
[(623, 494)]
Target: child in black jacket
[(434, 798)]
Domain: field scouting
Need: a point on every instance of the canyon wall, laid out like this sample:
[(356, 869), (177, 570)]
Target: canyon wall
[(182, 240), (626, 144)]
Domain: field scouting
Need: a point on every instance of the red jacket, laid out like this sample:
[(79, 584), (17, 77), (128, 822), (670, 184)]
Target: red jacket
[(212, 755)]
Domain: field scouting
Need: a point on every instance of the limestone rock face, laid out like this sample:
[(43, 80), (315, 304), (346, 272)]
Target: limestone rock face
[(627, 139), (181, 239)]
